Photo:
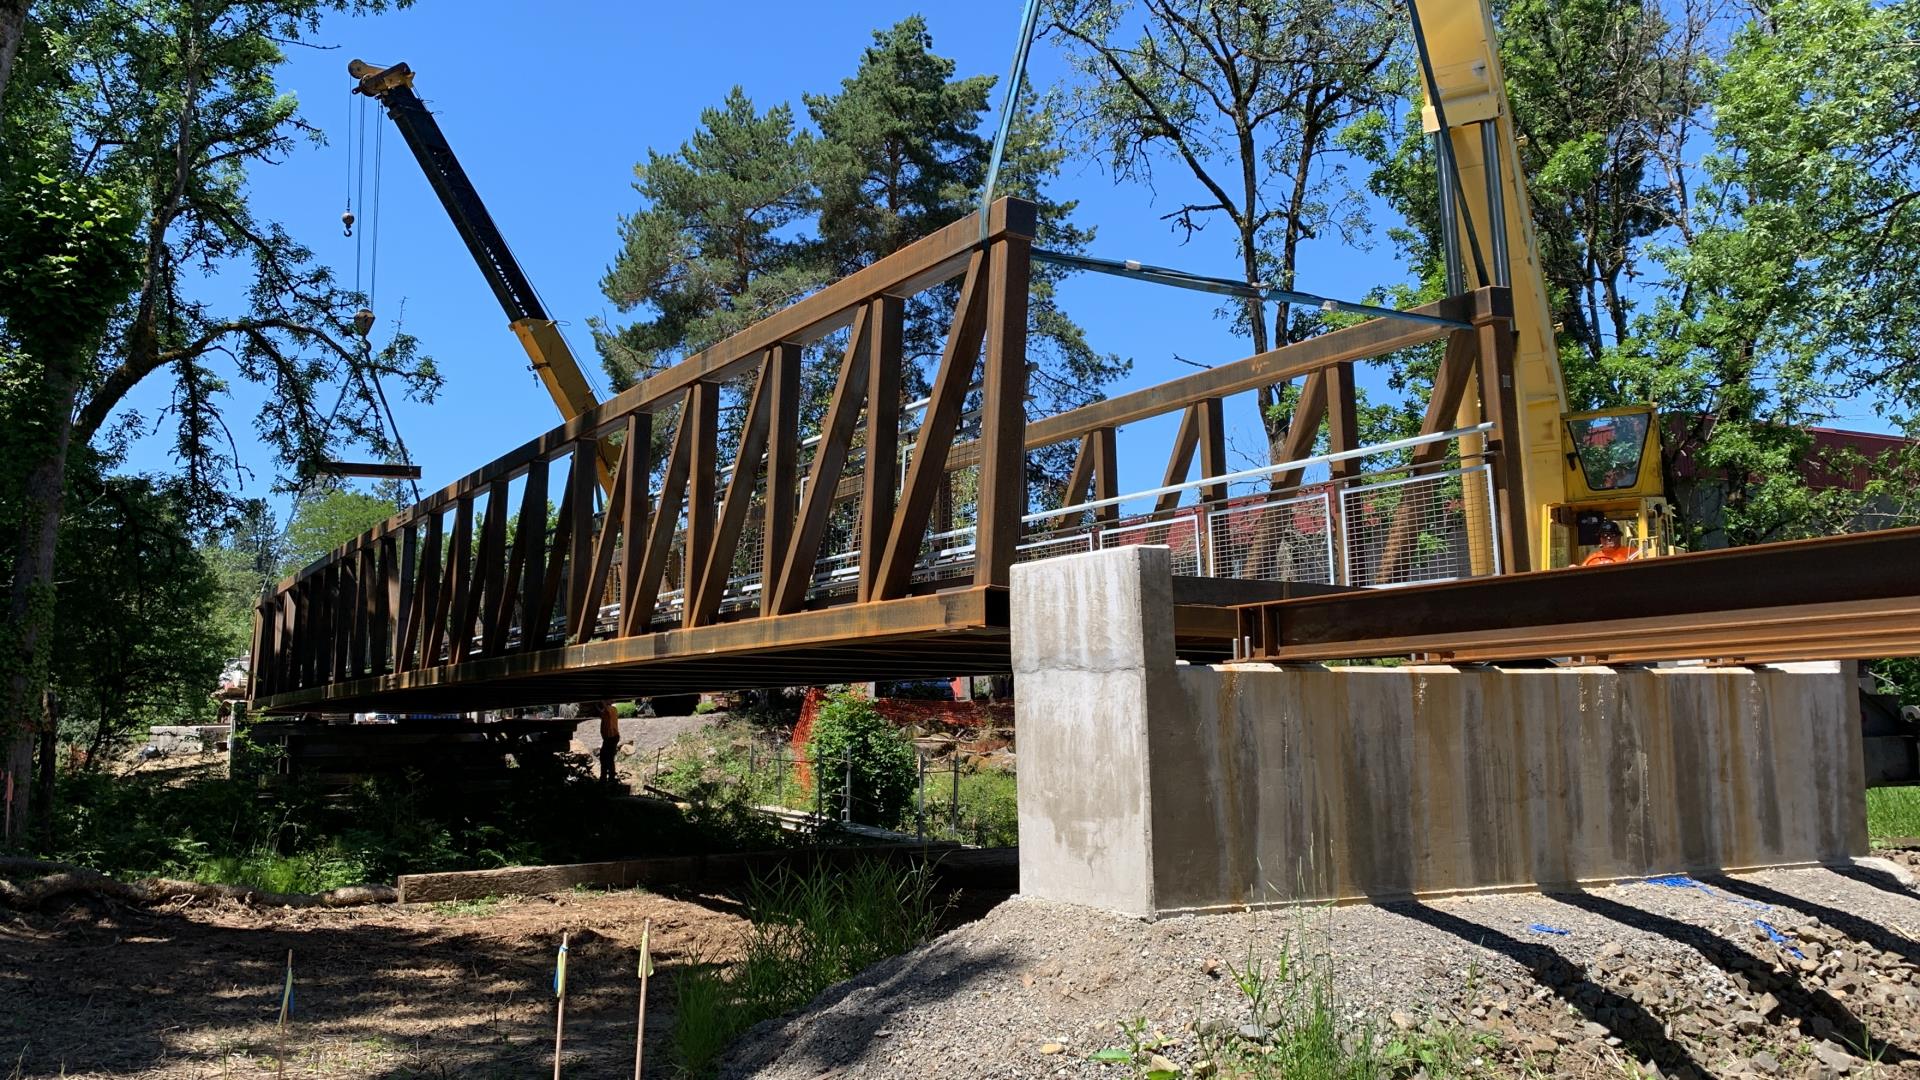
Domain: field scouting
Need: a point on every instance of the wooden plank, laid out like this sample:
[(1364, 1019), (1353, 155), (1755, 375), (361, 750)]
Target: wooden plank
[(783, 467), (583, 483), (703, 474), (978, 868), (666, 521), (1180, 460), (829, 458), (636, 473), (703, 601), (1003, 422), (887, 329)]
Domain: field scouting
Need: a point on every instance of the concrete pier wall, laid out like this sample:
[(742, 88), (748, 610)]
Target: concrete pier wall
[(1151, 787)]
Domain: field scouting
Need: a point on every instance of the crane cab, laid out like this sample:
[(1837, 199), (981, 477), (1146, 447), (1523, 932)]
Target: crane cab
[(1612, 474)]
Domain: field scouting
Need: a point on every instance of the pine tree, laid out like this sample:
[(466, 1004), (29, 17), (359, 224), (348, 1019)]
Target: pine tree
[(712, 251)]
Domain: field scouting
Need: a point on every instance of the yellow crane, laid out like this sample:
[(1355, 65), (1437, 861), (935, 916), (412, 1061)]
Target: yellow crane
[(1580, 470), (539, 335)]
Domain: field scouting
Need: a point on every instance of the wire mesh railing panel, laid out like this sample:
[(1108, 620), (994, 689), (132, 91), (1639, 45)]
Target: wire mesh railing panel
[(1281, 539), (1181, 534), (1049, 546), (1434, 527)]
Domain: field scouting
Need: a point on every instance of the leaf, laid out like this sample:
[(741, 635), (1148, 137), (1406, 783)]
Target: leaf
[(1112, 1053)]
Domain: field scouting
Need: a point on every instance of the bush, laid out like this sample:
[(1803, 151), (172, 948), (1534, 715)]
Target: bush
[(809, 932), (850, 735)]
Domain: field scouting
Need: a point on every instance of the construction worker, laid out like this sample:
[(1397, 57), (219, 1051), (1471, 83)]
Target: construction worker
[(1612, 549), (609, 738)]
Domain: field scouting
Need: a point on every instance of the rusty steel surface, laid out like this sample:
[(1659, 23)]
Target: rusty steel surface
[(731, 559), (1834, 598)]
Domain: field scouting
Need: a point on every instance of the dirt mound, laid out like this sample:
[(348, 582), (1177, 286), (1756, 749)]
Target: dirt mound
[(1803, 972)]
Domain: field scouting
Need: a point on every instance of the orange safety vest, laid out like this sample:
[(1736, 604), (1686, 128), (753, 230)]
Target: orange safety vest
[(1606, 555)]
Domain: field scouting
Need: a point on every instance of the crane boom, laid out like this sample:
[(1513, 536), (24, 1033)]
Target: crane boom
[(1484, 201), (539, 335)]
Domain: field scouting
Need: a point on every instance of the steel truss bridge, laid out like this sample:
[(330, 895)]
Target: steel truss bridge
[(729, 553)]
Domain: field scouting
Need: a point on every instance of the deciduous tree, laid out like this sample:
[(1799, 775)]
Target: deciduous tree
[(1249, 103)]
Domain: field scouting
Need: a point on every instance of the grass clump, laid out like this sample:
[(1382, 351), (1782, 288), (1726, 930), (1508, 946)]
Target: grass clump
[(809, 931), (1893, 812), (1295, 1029)]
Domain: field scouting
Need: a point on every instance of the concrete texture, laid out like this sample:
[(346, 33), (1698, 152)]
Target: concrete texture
[(1150, 787)]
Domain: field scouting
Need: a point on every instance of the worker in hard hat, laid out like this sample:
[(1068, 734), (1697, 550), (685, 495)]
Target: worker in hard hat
[(1612, 548)]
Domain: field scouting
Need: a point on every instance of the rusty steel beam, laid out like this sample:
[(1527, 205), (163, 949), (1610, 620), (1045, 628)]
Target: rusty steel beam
[(1842, 597)]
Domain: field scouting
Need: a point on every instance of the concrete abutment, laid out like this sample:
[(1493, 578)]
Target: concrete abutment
[(1152, 787)]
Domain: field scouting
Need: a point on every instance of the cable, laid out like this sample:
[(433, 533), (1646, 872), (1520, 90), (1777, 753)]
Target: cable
[(1015, 76), (360, 176), (1181, 279), (373, 213)]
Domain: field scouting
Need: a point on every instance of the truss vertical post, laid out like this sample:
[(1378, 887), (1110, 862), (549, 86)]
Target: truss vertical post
[(1003, 424)]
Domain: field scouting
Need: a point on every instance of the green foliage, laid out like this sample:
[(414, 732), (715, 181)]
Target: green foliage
[(850, 739), (136, 642), (1893, 812), (808, 932), (989, 808), (325, 519), (66, 262), (752, 212), (214, 829), (1252, 105), (712, 251)]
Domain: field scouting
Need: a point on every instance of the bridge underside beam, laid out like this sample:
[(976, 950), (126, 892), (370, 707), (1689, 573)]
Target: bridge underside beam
[(1833, 598), (933, 636)]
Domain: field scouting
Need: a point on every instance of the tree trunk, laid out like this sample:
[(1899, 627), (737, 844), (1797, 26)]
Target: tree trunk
[(49, 745), (13, 26), (31, 605)]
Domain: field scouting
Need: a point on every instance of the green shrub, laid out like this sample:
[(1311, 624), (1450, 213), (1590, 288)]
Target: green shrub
[(809, 931), (851, 740)]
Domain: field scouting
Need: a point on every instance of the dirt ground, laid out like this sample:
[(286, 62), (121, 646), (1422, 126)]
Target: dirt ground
[(383, 992)]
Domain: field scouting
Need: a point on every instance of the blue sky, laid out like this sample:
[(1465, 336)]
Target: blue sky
[(549, 106)]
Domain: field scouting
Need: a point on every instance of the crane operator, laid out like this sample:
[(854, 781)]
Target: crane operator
[(1612, 549)]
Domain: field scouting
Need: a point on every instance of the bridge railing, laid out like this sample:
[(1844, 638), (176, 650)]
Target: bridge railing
[(480, 569), (720, 512)]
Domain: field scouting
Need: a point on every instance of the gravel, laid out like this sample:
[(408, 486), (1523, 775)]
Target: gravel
[(1770, 973)]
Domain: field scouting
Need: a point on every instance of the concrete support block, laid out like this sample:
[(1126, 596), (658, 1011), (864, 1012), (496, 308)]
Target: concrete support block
[(1092, 640), (1150, 787)]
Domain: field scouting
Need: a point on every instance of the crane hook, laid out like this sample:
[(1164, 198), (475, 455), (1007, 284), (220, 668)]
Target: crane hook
[(346, 220)]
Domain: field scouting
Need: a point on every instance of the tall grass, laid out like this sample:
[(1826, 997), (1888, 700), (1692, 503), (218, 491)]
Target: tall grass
[(809, 931), (1893, 812)]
